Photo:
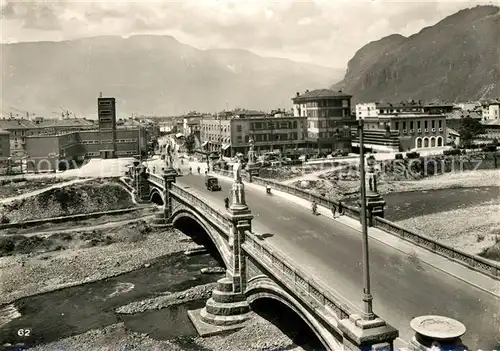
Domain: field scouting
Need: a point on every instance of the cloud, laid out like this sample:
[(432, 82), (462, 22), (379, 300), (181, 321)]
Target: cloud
[(324, 31)]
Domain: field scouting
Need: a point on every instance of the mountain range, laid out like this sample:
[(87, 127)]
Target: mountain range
[(457, 59), (149, 75)]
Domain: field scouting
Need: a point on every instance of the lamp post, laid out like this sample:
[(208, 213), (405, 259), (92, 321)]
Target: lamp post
[(367, 296)]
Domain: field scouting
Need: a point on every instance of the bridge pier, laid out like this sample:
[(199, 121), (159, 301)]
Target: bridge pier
[(228, 308), (141, 182), (162, 219)]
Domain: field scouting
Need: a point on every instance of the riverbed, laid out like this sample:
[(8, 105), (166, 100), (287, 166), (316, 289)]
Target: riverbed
[(404, 205)]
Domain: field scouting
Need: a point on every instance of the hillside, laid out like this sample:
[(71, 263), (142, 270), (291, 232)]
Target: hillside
[(149, 74), (455, 60)]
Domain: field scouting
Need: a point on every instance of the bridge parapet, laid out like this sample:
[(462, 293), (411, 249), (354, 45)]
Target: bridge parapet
[(475, 262), (184, 196), (317, 295)]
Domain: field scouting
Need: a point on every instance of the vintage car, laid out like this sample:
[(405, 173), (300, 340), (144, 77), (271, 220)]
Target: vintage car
[(212, 183)]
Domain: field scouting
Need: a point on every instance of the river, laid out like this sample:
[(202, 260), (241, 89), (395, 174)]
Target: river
[(75, 310)]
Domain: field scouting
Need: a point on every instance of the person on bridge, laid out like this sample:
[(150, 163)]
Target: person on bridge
[(190, 170), (198, 169), (154, 170), (226, 203), (314, 207), (334, 210), (268, 189), (341, 209)]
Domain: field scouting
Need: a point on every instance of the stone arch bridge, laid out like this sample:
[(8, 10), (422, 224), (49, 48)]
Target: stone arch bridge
[(255, 270)]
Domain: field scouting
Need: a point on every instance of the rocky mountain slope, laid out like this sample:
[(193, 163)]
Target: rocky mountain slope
[(455, 60), (149, 74)]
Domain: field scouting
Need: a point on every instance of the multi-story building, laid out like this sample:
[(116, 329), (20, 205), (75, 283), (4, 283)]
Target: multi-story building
[(48, 152), (490, 110), (374, 109), (230, 132), (328, 119), (4, 145), (19, 129)]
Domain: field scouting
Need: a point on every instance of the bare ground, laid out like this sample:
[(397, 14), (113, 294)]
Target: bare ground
[(259, 335), (473, 229)]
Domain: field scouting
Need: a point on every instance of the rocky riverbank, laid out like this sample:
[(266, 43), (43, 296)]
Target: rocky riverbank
[(259, 335), (88, 257)]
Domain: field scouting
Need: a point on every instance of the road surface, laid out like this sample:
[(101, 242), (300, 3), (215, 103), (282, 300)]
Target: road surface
[(403, 288)]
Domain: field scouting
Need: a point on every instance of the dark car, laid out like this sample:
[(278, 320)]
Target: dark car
[(212, 183)]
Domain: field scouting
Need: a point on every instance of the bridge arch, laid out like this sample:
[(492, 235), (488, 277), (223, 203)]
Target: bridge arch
[(199, 229), (156, 197), (263, 288)]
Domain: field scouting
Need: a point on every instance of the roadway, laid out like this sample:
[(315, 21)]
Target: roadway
[(402, 287)]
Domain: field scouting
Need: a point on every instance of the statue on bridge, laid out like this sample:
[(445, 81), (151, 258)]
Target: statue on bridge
[(237, 171), (251, 152)]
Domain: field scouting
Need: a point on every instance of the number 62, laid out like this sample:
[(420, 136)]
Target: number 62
[(24, 332)]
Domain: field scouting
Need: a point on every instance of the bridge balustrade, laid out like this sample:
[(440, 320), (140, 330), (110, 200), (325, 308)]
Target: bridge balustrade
[(316, 294), (200, 204), (475, 262)]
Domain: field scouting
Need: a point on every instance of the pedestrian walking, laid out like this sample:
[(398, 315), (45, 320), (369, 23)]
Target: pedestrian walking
[(341, 208), (334, 210)]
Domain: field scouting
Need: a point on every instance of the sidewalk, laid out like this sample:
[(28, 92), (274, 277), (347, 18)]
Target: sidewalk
[(454, 269)]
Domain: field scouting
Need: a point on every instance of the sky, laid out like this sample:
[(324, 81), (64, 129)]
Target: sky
[(325, 32)]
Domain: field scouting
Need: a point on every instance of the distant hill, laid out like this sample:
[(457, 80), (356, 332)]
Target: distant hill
[(455, 60), (149, 74)]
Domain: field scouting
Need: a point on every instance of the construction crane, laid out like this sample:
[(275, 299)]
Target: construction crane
[(24, 112)]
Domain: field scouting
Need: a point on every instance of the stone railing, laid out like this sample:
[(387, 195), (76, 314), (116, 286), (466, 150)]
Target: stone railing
[(474, 262), (316, 294), (156, 180), (350, 211), (200, 204)]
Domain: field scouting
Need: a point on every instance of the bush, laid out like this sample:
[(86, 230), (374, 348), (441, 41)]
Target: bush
[(412, 154), (4, 220), (399, 156)]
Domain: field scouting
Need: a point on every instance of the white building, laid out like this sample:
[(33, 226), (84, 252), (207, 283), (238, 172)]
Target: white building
[(490, 110)]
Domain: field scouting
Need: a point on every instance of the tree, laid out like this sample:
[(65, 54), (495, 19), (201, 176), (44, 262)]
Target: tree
[(469, 128), (189, 143)]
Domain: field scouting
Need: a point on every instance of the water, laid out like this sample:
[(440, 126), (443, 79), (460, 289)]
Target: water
[(75, 310), (410, 204)]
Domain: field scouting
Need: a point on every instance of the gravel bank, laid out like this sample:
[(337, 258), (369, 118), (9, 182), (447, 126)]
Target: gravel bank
[(259, 335), (29, 274), (471, 229), (200, 292)]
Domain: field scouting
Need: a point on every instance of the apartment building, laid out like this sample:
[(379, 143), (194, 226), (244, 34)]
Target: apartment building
[(231, 132), (490, 110), (328, 119), (18, 130), (4, 145), (375, 109)]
